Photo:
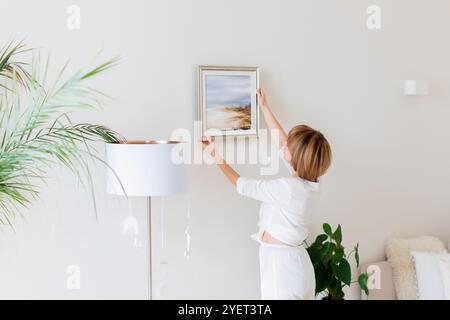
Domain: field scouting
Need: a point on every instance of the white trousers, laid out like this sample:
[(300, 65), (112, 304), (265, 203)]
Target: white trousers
[(286, 273)]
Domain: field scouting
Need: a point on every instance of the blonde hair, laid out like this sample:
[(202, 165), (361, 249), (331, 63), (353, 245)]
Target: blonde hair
[(310, 152)]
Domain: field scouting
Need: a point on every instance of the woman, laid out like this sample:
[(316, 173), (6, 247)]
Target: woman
[(287, 207)]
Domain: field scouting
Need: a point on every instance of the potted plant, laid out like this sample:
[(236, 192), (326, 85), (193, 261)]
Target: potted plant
[(36, 129), (331, 264)]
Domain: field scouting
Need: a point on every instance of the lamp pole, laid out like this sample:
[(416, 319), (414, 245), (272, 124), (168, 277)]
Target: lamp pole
[(149, 217)]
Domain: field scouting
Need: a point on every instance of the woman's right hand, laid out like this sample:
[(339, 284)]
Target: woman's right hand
[(262, 99), (271, 121)]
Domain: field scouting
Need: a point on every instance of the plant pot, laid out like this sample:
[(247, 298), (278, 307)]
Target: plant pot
[(331, 299)]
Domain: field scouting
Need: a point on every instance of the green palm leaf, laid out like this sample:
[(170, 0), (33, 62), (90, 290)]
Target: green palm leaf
[(36, 130)]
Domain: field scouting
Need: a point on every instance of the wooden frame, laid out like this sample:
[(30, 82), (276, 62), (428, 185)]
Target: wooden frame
[(227, 101)]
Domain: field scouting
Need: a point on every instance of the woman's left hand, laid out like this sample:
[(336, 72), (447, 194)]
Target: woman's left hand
[(209, 146), (228, 171)]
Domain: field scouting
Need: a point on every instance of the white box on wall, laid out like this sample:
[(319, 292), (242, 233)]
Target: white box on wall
[(416, 88)]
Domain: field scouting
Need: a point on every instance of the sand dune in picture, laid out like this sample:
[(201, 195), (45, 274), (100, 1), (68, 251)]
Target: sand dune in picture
[(229, 118)]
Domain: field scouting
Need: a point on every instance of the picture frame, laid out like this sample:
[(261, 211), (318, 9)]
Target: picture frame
[(227, 101)]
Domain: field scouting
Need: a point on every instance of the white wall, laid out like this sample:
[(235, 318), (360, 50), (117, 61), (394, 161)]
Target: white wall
[(319, 64)]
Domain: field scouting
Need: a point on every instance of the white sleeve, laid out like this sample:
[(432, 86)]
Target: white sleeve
[(275, 191)]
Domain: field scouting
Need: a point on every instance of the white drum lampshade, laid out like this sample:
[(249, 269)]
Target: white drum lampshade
[(144, 168)]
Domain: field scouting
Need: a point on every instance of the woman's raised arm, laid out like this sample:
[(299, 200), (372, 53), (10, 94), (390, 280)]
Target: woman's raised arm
[(269, 117)]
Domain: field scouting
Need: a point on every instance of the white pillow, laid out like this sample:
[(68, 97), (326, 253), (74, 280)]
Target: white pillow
[(398, 252), (445, 272), (432, 275)]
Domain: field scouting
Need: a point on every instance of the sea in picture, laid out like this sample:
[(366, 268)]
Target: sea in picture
[(229, 118), (228, 102)]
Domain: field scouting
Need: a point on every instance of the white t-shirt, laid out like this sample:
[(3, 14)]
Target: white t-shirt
[(287, 206)]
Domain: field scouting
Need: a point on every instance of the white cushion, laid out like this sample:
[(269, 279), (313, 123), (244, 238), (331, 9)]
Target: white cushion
[(430, 269), (398, 254), (445, 272)]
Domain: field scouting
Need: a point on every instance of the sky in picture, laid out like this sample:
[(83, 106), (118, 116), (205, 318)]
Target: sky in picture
[(227, 90)]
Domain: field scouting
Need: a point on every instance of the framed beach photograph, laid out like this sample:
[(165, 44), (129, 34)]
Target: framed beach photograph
[(227, 102)]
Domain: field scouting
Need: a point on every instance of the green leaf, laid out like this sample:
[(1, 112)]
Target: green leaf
[(343, 272), (337, 235), (335, 290), (338, 255), (324, 277), (314, 253), (321, 238), (357, 254), (328, 250), (362, 281), (327, 229)]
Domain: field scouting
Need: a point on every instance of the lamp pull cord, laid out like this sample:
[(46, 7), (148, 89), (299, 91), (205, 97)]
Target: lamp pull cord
[(162, 225), (187, 251)]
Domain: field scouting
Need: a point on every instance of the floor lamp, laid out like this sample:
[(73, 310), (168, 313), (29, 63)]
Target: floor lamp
[(145, 169)]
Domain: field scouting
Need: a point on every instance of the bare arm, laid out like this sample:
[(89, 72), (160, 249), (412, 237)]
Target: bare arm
[(227, 170), (269, 117)]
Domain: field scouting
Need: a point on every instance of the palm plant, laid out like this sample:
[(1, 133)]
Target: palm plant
[(36, 130)]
